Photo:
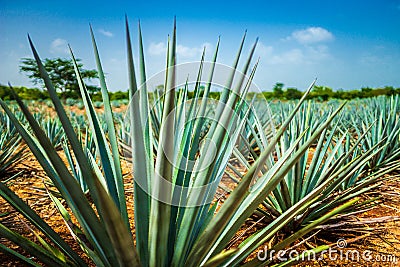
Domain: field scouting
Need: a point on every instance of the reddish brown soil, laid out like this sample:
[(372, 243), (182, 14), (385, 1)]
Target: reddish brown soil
[(382, 243)]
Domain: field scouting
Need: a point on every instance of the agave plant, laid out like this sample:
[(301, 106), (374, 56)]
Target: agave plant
[(318, 177), (70, 102), (383, 114), (54, 131), (79, 121), (80, 105), (98, 104), (124, 136), (88, 145), (179, 158), (12, 149), (116, 103)]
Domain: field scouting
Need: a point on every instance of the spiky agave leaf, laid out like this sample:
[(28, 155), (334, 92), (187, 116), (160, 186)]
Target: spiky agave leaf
[(12, 149)]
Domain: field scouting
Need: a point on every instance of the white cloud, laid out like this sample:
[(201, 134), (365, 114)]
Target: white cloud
[(106, 33), (192, 52), (276, 56), (263, 50), (115, 61), (311, 35), (59, 46), (186, 52), (317, 53), (293, 56), (157, 49)]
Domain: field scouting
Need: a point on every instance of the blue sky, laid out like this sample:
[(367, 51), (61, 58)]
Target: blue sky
[(345, 44)]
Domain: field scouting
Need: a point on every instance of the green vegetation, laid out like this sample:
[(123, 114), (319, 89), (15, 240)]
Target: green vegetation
[(12, 149), (298, 166), (24, 92), (320, 93), (323, 93), (62, 75)]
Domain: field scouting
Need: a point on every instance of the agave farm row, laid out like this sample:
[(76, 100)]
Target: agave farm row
[(201, 170)]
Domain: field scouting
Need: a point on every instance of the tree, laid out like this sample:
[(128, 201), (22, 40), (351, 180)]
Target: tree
[(23, 93), (292, 93), (322, 92), (62, 74), (278, 90)]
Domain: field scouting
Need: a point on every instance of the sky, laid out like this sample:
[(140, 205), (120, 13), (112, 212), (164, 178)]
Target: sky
[(344, 44)]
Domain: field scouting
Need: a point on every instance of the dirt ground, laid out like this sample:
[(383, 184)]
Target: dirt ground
[(376, 248), (379, 247)]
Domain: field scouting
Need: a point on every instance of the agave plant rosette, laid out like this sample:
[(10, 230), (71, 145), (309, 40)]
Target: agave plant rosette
[(12, 148), (334, 167), (383, 114), (52, 128)]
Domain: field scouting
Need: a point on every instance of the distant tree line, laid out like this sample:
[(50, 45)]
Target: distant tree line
[(320, 93), (39, 94), (324, 93)]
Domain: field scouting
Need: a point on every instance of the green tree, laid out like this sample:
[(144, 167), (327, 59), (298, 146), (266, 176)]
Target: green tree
[(62, 74), (278, 90), (119, 95), (322, 92), (23, 92), (292, 93)]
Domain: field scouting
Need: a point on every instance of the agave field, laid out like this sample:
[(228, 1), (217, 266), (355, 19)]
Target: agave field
[(165, 179)]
